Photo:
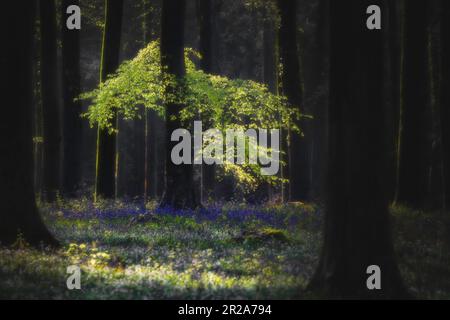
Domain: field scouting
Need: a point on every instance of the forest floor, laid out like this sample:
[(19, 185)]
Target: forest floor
[(224, 252)]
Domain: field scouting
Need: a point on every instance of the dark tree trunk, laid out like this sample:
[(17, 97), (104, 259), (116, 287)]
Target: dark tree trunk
[(179, 188), (357, 222), (152, 120), (435, 177), (37, 109), (316, 86), (415, 123), (149, 178), (270, 70), (18, 211), (50, 106), (204, 8), (392, 87), (154, 162), (154, 170), (139, 153), (269, 56), (105, 182), (299, 148), (148, 22), (130, 164), (445, 97), (205, 24), (71, 83)]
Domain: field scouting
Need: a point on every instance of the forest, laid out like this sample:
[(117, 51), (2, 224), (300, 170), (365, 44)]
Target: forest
[(212, 149)]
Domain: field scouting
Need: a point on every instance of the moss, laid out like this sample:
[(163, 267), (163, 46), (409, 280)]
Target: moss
[(263, 235)]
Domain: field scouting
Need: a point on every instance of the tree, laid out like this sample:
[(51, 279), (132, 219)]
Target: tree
[(18, 211), (445, 97), (357, 231), (153, 123), (204, 8), (50, 105), (236, 104), (270, 58), (415, 123), (71, 82), (393, 89), (298, 163), (105, 177), (435, 182), (205, 24), (316, 83), (269, 46), (179, 185)]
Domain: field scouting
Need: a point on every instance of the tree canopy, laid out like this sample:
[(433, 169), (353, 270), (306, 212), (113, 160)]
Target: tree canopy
[(224, 103)]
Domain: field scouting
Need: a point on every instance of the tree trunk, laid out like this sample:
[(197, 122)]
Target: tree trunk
[(415, 123), (299, 148), (71, 86), (270, 70), (179, 185), (139, 154), (205, 24), (316, 85), (18, 211), (204, 8), (445, 97), (357, 231), (269, 56), (106, 162), (435, 176), (393, 69), (152, 119), (37, 109), (51, 110)]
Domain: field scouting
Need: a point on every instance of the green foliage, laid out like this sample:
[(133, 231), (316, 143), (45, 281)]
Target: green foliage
[(219, 102), (222, 102), (258, 235)]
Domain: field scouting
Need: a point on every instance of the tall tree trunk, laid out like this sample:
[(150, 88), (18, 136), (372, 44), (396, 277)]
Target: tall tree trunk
[(392, 88), (37, 109), (299, 147), (270, 70), (415, 123), (179, 188), (51, 110), (71, 87), (435, 177), (106, 162), (357, 222), (205, 24), (152, 119), (204, 9), (316, 85), (18, 211), (269, 56), (139, 154), (445, 97)]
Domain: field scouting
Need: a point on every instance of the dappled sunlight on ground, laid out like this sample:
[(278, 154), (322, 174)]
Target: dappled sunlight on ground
[(228, 251), (222, 252)]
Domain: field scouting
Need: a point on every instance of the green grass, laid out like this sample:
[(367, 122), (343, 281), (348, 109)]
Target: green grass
[(182, 257), (169, 258)]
